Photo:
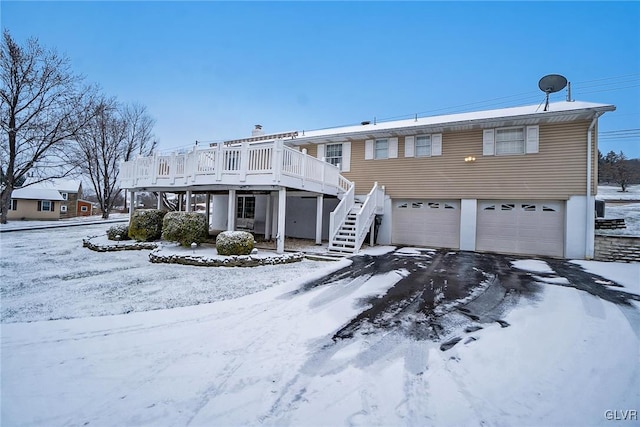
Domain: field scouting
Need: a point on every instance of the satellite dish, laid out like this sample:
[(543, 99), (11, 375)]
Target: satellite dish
[(551, 83)]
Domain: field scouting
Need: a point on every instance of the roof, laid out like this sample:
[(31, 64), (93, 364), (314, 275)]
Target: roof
[(62, 185), (32, 193), (514, 116)]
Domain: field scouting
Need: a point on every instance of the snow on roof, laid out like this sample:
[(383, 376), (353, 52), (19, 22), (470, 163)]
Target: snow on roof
[(33, 193), (554, 109), (60, 184)]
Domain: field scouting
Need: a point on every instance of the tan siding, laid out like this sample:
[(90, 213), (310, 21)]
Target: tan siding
[(556, 172), (28, 209)]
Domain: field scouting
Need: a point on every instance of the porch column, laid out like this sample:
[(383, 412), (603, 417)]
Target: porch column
[(319, 200), (208, 211), (372, 236), (231, 211), (179, 202), (159, 200), (132, 204), (189, 205), (282, 206), (268, 219)]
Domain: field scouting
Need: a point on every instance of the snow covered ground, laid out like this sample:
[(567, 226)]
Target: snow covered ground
[(268, 357), (76, 221), (610, 192), (47, 274)]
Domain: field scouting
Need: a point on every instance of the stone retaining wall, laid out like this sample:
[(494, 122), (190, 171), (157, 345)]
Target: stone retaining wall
[(617, 248)]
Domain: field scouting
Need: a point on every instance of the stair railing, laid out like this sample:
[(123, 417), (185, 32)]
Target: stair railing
[(365, 216), (339, 214)]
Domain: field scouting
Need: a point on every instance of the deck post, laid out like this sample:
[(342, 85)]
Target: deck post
[(244, 161), (319, 200), (132, 204), (189, 206), (268, 219), (282, 207), (219, 162), (208, 211), (159, 200), (372, 236), (231, 211)]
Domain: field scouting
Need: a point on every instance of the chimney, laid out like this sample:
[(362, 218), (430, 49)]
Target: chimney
[(257, 131)]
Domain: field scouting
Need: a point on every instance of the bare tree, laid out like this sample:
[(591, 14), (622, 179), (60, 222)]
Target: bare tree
[(42, 107), (116, 133), (139, 137), (617, 168)]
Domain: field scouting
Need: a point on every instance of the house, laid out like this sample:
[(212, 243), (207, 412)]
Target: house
[(516, 180), (35, 203), (51, 199)]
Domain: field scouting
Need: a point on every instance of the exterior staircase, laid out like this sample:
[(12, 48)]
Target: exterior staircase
[(345, 239)]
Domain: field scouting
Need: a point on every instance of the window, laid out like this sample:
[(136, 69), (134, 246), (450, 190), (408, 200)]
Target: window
[(65, 196), (423, 146), (246, 207), (403, 205), (46, 205), (529, 208), (14, 205), (417, 205), (434, 205), (509, 141), (547, 209), (508, 207), (63, 208), (84, 209), (334, 154), (381, 149)]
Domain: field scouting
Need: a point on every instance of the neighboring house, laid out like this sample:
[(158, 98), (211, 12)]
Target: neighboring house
[(35, 203), (512, 180), (71, 191)]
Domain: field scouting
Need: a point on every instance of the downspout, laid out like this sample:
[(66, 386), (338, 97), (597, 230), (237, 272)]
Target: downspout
[(590, 224)]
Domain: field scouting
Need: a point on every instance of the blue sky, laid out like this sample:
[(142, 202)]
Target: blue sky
[(211, 70)]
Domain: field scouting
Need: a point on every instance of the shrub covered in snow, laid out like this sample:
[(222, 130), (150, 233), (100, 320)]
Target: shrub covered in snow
[(146, 224), (234, 243), (121, 230), (185, 228)]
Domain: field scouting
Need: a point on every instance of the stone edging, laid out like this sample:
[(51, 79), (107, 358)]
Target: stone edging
[(617, 248), (230, 261), (117, 246)]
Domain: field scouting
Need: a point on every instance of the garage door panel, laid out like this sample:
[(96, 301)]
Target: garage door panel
[(426, 223), (521, 227)]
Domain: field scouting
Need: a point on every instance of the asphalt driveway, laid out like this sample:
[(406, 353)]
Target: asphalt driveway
[(445, 294)]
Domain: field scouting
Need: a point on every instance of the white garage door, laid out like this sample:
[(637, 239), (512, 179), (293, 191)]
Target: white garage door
[(433, 223), (523, 227)]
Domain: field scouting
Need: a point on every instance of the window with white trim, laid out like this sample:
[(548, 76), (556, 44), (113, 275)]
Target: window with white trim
[(333, 154), (381, 149), (46, 205), (423, 146), (63, 208), (510, 141), (84, 208), (65, 196), (14, 205), (246, 207)]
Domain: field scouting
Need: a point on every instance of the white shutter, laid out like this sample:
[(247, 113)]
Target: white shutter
[(409, 146), (393, 148), (368, 149), (320, 151), (436, 144), (488, 142), (532, 139), (346, 156)]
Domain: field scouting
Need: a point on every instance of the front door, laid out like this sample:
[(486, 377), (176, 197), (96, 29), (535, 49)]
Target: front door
[(246, 212)]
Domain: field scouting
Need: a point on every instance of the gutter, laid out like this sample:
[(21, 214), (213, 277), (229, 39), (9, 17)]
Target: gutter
[(589, 226)]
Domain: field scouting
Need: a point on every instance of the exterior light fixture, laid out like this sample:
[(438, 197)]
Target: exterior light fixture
[(469, 159)]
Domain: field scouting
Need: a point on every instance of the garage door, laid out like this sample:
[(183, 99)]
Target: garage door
[(523, 227), (433, 223)]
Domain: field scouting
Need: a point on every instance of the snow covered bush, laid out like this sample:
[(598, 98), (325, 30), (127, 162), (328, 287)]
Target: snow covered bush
[(118, 230), (185, 228), (234, 243), (146, 224)]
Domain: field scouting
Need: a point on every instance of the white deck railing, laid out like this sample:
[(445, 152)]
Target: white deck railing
[(270, 163), (374, 203), (339, 214)]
